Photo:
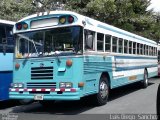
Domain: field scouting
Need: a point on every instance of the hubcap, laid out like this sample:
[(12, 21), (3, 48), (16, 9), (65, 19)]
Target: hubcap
[(103, 89)]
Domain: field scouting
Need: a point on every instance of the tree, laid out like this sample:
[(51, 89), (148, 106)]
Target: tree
[(155, 33), (130, 15), (15, 9)]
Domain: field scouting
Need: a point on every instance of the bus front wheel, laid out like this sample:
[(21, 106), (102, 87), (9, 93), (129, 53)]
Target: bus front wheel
[(102, 96), (145, 80)]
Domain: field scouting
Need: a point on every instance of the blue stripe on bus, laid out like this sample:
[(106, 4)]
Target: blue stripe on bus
[(134, 57), (134, 67), (111, 29)]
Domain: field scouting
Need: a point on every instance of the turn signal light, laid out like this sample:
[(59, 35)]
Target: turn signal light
[(19, 26), (25, 25), (62, 20), (69, 63), (80, 84), (70, 19), (17, 65)]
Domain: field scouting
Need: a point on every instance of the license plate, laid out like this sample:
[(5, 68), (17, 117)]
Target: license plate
[(38, 97)]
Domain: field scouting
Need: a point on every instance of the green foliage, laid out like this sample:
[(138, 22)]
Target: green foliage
[(130, 15), (15, 9)]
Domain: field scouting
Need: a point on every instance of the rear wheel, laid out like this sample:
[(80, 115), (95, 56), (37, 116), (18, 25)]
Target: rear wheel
[(102, 96), (47, 103), (145, 80)]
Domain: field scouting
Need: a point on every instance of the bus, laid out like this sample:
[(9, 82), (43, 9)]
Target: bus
[(6, 57), (158, 56), (63, 55)]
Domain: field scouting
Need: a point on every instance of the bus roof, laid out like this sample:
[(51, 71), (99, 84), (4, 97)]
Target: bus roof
[(94, 23), (7, 22)]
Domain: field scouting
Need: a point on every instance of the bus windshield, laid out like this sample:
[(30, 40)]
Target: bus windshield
[(45, 43)]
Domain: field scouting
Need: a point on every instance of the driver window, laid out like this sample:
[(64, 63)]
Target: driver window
[(89, 40)]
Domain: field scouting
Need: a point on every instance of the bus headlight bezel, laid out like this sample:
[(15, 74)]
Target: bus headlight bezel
[(65, 85), (17, 85)]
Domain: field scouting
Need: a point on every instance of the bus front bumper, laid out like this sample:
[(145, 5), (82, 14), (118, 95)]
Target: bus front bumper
[(45, 94)]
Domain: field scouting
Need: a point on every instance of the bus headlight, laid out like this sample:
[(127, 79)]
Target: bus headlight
[(65, 85), (62, 85), (17, 85), (20, 85), (68, 85)]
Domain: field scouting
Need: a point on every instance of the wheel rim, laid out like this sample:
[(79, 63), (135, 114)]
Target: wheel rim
[(103, 90)]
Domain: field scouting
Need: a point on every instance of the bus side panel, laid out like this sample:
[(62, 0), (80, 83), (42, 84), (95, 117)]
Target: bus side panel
[(6, 74), (5, 81), (152, 72), (130, 69), (94, 66), (6, 63)]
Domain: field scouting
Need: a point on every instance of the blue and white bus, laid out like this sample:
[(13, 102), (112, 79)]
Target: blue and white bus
[(66, 56), (6, 57)]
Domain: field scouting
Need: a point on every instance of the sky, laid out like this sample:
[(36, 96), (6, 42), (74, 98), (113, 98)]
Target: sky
[(155, 4)]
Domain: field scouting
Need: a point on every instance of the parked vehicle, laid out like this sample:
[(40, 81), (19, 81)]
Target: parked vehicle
[(6, 58), (66, 56)]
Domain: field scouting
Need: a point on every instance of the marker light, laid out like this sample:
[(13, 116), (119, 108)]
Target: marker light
[(62, 20), (25, 25), (19, 26), (80, 84), (69, 63), (70, 19), (17, 65)]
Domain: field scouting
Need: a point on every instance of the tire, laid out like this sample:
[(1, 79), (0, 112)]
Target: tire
[(101, 97), (47, 103), (145, 80)]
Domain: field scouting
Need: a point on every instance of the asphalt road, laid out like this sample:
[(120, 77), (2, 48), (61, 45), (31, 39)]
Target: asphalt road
[(130, 99)]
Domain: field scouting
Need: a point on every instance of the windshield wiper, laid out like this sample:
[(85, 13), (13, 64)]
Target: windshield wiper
[(31, 40), (56, 54)]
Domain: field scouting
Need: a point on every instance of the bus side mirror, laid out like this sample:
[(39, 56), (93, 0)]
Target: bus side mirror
[(4, 49)]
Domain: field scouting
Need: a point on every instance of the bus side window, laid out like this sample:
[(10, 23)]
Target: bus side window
[(125, 46), (2, 35), (4, 41), (158, 56), (89, 40), (120, 45), (114, 44), (134, 47), (100, 40), (108, 43)]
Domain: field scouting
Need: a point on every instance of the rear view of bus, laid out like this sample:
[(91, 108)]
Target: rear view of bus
[(6, 57)]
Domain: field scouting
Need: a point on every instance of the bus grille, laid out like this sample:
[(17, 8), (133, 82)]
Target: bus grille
[(41, 85), (41, 73)]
